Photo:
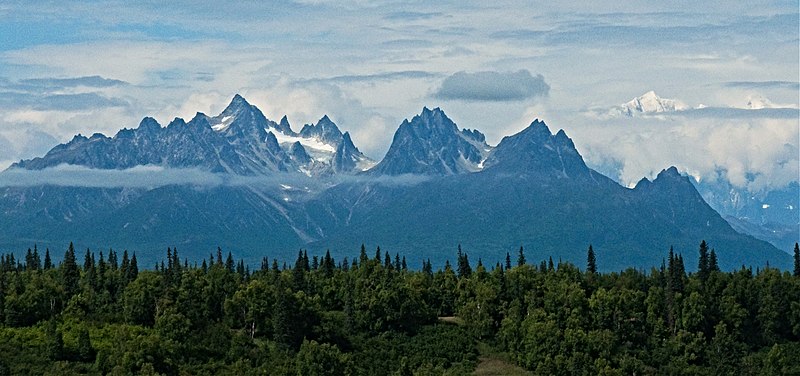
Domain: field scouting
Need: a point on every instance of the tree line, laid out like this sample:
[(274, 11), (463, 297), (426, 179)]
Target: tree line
[(374, 314)]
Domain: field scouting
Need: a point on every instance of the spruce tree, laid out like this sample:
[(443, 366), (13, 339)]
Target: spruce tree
[(713, 264), (229, 264), (69, 272), (36, 261), (298, 273), (680, 273), (48, 263), (363, 255), (591, 261), (169, 260), (101, 272), (671, 269), (427, 268), (87, 260), (240, 268), (275, 268), (133, 268), (702, 263), (29, 260), (387, 261), (112, 259), (521, 257), (796, 260), (328, 264), (463, 268), (508, 261)]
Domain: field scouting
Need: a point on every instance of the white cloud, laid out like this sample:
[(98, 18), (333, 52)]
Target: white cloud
[(753, 153), (492, 86), (149, 177), (301, 60)]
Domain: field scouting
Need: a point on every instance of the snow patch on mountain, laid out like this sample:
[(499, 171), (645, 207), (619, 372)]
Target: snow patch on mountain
[(318, 150), (220, 125)]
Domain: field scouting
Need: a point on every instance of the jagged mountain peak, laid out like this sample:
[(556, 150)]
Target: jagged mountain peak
[(176, 122), (285, 127), (668, 180), (325, 130), (238, 101), (431, 143), (474, 134), (432, 119), (241, 118), (149, 123), (537, 151), (669, 173)]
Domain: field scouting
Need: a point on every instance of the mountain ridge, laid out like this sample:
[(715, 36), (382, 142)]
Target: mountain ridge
[(240, 140), (532, 188)]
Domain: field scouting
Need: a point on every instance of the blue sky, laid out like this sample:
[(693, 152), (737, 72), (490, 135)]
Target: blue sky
[(86, 66)]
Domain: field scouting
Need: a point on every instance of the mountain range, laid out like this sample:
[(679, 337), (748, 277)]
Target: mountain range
[(438, 187)]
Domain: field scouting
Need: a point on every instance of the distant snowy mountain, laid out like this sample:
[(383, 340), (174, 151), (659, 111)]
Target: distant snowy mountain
[(647, 104), (240, 140)]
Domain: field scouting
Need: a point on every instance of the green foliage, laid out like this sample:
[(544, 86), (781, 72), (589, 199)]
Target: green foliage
[(321, 359), (377, 317)]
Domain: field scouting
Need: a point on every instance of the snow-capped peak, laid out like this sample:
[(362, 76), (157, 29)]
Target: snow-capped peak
[(649, 103)]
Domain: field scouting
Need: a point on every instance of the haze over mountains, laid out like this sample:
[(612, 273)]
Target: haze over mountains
[(438, 186)]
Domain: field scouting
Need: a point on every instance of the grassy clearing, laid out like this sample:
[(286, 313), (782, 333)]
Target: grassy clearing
[(492, 363)]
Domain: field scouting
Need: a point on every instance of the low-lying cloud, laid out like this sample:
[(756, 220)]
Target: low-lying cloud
[(492, 86), (150, 177), (756, 154)]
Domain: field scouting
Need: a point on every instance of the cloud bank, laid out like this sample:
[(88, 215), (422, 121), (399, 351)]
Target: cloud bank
[(150, 177), (756, 154), (492, 86)]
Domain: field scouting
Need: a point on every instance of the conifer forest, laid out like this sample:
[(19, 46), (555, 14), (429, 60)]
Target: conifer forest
[(380, 314)]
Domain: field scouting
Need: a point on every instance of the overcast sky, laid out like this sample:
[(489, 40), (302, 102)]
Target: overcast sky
[(87, 66)]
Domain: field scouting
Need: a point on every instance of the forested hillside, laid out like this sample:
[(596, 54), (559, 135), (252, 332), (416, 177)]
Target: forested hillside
[(375, 314)]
